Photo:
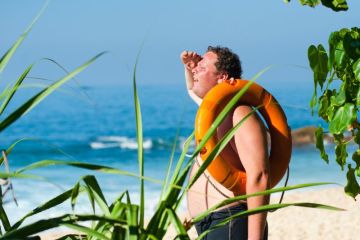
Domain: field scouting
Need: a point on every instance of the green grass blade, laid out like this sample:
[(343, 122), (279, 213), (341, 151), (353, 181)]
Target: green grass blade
[(86, 230), (117, 211), (74, 194), (35, 100), (8, 55), (182, 158), (4, 219), (48, 205), (5, 91), (68, 92), (132, 213), (87, 97), (94, 187), (267, 192), (13, 90), (94, 167), (20, 175), (182, 233), (267, 208), (45, 224), (139, 137), (9, 150), (165, 185)]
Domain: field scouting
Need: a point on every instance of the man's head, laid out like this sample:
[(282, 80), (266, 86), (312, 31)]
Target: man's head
[(217, 65)]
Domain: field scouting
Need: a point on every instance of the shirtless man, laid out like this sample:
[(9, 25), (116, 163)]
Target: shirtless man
[(248, 147)]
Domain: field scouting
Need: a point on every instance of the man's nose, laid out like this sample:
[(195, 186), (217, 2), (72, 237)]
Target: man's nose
[(194, 70)]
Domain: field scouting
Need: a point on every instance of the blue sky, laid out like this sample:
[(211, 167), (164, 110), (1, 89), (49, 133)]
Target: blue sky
[(263, 33)]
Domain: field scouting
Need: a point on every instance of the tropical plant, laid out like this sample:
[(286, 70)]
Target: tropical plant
[(339, 107), (335, 5)]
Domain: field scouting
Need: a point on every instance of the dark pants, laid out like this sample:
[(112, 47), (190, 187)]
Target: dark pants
[(235, 229)]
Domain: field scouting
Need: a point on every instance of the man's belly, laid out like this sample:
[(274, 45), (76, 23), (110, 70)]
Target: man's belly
[(205, 192)]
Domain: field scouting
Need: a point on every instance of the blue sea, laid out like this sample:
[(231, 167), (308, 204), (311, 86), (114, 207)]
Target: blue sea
[(97, 125)]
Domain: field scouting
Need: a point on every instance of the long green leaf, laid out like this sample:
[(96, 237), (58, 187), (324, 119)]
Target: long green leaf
[(94, 167), (5, 91), (182, 233), (8, 55), (93, 185), (88, 231), (181, 159), (74, 194), (139, 137), (267, 192), (267, 208), (48, 205), (168, 171), (35, 100), (13, 90), (9, 150), (45, 224), (4, 219), (20, 175)]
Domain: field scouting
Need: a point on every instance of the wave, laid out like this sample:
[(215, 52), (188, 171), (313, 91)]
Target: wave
[(128, 143), (122, 142)]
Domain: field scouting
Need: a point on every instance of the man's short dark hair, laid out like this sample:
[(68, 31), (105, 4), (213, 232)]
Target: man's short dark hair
[(228, 62)]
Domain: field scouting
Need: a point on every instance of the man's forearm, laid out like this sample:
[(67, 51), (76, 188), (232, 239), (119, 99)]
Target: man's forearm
[(189, 84), (189, 78), (256, 222)]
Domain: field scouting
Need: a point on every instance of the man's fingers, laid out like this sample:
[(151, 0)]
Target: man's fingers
[(190, 58)]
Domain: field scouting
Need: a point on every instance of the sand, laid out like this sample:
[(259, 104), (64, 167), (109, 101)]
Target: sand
[(314, 224), (306, 223)]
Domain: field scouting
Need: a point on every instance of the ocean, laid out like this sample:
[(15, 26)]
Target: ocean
[(97, 125)]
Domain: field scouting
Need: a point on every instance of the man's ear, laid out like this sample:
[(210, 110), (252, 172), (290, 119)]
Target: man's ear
[(222, 77)]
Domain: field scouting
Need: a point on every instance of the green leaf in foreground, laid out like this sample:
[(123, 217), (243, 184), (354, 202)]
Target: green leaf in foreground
[(48, 205), (267, 208), (4, 219), (352, 187), (341, 154), (319, 134), (336, 5), (356, 159), (356, 69), (318, 60), (35, 100), (8, 55), (344, 116), (13, 90), (139, 137), (310, 3)]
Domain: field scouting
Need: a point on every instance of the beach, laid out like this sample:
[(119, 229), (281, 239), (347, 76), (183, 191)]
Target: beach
[(307, 223), (295, 223)]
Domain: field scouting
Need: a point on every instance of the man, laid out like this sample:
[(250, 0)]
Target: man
[(248, 148)]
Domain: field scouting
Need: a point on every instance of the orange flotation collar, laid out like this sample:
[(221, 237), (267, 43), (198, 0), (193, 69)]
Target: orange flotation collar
[(222, 171)]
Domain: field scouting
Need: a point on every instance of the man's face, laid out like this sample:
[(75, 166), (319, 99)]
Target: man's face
[(205, 74)]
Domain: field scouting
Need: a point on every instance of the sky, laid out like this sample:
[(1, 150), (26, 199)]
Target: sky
[(262, 33)]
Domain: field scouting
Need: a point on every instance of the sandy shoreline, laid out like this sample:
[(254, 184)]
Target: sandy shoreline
[(306, 223), (314, 224)]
